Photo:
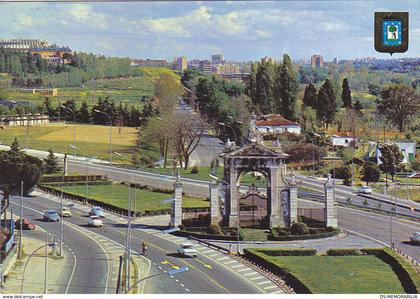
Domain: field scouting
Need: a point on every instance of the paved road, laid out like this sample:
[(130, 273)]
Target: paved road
[(90, 266), (212, 272)]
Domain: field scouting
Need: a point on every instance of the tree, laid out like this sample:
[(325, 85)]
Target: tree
[(399, 104), (51, 163), (265, 85), (346, 94), (14, 147), (17, 167), (370, 172), (287, 86), (391, 158), (83, 114), (310, 97), (326, 106), (343, 173), (186, 133)]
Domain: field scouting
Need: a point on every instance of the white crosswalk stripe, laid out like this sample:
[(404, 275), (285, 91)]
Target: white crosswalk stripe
[(264, 282), (231, 262), (222, 258), (243, 270), (252, 273), (257, 278), (238, 266), (208, 251), (277, 292), (214, 254), (270, 287)]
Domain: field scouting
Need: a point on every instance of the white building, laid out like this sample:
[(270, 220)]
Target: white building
[(275, 123), (342, 139), (408, 148)]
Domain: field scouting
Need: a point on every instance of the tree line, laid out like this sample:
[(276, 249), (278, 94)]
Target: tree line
[(28, 70)]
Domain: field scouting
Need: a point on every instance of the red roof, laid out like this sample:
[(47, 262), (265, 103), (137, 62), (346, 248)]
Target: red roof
[(274, 120)]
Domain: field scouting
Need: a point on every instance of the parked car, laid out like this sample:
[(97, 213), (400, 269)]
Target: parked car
[(51, 215), (187, 249), (26, 224), (97, 211), (415, 238), (95, 221), (65, 212), (365, 190)]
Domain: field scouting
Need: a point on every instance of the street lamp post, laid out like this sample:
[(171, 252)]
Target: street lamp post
[(110, 133), (74, 128), (21, 220), (313, 152)]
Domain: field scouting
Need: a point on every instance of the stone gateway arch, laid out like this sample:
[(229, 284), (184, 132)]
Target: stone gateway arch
[(255, 157)]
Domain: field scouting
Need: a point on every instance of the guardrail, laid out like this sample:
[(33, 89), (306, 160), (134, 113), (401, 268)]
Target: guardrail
[(211, 245)]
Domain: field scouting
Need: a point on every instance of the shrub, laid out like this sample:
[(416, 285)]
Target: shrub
[(343, 173), (214, 229), (315, 231), (299, 228), (181, 226), (194, 169), (282, 232), (330, 229)]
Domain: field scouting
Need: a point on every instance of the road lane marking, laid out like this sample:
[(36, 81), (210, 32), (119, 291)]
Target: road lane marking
[(258, 278), (213, 255), (264, 282), (208, 251), (277, 292), (223, 258), (253, 273), (243, 270), (238, 266), (231, 262), (270, 287)]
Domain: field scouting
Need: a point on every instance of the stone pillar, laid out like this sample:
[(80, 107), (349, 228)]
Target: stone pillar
[(65, 165), (293, 198), (214, 203), (276, 209), (233, 199), (330, 207), (176, 207)]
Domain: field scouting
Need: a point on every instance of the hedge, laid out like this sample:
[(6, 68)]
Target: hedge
[(304, 237), (185, 233), (287, 252), (256, 256), (78, 183), (71, 178), (344, 251), (410, 280)]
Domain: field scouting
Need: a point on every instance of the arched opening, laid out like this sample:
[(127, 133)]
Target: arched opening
[(253, 199)]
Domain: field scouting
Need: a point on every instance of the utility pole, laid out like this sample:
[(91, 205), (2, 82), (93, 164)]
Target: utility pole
[(21, 220), (46, 264), (61, 218)]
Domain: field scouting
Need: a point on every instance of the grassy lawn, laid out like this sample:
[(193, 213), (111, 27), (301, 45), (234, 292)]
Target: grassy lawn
[(144, 200), (254, 234), (342, 274), (91, 140), (405, 192)]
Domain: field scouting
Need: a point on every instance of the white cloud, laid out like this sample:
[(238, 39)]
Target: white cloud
[(83, 13)]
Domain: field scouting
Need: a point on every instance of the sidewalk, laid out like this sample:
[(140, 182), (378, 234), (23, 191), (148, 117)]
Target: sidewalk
[(58, 269)]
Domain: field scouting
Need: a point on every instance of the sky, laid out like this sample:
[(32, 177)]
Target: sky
[(240, 30)]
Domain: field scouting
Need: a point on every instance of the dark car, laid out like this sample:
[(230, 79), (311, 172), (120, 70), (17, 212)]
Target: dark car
[(26, 224)]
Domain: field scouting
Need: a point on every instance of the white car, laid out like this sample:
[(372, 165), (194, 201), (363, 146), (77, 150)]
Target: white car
[(416, 238), (365, 190), (187, 249), (95, 221), (65, 212)]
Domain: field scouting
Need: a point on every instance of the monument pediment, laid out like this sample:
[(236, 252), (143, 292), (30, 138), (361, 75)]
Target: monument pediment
[(255, 149)]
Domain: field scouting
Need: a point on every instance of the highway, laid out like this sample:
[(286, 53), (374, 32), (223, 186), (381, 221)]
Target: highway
[(211, 272)]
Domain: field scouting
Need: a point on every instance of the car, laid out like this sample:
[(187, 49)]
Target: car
[(65, 212), (415, 238), (51, 215), (97, 211), (187, 249), (95, 221), (365, 190), (26, 224)]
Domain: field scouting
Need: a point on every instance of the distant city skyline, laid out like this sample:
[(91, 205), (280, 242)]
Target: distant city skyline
[(241, 31)]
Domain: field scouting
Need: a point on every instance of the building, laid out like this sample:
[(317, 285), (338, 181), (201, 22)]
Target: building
[(13, 104), (217, 59), (228, 68), (335, 60), (205, 66), (23, 45), (238, 77), (408, 148), (25, 120), (150, 62), (179, 63), (317, 61), (276, 123), (194, 64), (343, 139)]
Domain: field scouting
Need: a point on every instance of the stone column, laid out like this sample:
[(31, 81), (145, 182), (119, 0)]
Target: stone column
[(293, 198), (276, 209), (233, 199), (176, 207), (330, 207), (214, 203)]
